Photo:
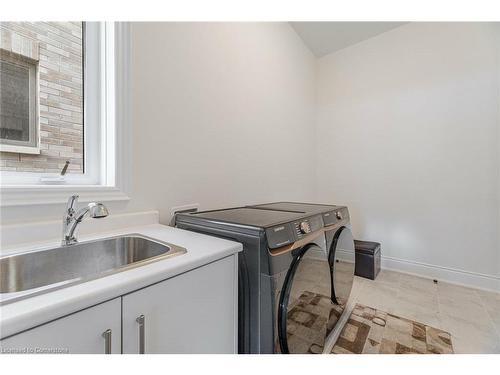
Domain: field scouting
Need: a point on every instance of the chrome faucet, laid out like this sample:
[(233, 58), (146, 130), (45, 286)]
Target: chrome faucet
[(72, 218)]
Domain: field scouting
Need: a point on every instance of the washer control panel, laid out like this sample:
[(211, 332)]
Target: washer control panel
[(285, 234)]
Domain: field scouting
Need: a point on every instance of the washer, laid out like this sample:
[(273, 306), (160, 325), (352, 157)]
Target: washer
[(288, 298)]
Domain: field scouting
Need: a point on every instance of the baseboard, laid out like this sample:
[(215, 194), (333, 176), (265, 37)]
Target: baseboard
[(440, 273)]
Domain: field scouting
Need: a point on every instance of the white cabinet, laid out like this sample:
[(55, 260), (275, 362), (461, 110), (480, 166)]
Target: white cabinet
[(86, 331), (195, 312)]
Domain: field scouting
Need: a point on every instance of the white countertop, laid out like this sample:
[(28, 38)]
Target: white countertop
[(201, 249)]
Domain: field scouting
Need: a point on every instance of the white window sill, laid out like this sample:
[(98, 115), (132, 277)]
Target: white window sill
[(20, 149), (25, 195)]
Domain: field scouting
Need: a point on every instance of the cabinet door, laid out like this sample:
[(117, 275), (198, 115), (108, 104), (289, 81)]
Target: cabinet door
[(83, 332), (195, 312)]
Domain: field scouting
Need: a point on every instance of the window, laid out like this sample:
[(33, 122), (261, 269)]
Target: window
[(18, 104), (42, 97), (58, 104)]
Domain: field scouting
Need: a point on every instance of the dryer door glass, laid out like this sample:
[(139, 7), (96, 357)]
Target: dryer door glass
[(305, 303), (342, 261)]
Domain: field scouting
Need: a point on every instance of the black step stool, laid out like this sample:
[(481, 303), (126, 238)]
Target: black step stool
[(367, 259)]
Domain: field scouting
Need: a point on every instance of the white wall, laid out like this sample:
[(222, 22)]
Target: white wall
[(408, 138), (222, 115)]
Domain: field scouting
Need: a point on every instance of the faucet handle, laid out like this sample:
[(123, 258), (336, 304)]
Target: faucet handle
[(71, 203)]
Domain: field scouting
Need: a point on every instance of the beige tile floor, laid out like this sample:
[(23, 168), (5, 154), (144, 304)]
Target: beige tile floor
[(472, 316)]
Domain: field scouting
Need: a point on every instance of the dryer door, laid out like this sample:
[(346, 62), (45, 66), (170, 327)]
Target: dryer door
[(341, 248), (305, 303)]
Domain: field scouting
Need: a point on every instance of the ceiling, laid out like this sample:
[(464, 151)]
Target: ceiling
[(323, 38)]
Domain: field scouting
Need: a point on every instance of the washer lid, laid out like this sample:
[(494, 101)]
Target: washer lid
[(250, 216)]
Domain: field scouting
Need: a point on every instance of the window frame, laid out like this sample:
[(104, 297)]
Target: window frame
[(109, 144), (32, 146)]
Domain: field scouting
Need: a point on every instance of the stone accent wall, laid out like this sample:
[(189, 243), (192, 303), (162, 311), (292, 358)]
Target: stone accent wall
[(57, 48)]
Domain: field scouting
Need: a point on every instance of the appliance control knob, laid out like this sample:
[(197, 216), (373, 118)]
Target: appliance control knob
[(338, 214), (304, 227)]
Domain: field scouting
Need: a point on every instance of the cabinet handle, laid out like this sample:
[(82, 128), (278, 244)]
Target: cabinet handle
[(107, 341), (142, 324)]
